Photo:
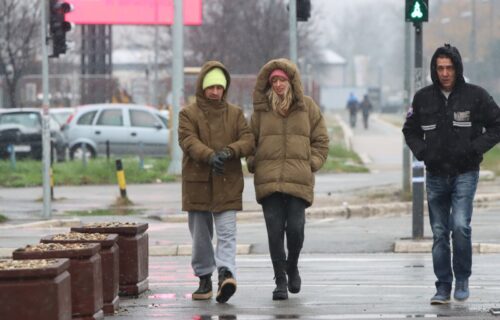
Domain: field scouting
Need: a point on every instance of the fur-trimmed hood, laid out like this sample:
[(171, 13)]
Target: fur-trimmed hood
[(260, 100)]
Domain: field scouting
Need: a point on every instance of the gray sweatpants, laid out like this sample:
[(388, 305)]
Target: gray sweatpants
[(203, 259)]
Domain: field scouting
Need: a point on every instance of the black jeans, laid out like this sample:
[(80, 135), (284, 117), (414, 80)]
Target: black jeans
[(284, 214)]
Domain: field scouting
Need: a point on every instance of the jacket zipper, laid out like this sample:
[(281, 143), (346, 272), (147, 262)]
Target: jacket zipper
[(284, 153)]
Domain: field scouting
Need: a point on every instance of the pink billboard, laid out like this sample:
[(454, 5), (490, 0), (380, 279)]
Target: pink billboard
[(132, 12)]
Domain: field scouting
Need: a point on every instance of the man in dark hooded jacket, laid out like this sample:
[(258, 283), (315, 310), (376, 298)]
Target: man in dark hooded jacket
[(450, 125)]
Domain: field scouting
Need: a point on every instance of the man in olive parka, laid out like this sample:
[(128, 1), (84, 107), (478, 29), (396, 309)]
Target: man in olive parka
[(213, 135)]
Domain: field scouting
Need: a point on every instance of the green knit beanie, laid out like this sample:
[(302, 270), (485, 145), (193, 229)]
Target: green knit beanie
[(214, 77)]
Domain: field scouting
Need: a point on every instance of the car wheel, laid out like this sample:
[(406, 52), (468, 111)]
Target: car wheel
[(77, 152)]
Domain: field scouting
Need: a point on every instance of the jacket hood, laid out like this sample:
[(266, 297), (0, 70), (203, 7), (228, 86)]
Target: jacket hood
[(209, 65), (452, 53), (260, 100)]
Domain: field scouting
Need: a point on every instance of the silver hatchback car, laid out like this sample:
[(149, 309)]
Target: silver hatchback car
[(130, 130)]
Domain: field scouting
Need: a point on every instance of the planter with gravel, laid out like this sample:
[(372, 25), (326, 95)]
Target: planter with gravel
[(35, 289), (134, 253), (85, 270), (109, 262)]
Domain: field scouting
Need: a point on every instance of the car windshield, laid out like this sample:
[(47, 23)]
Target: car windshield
[(61, 117), (27, 119)]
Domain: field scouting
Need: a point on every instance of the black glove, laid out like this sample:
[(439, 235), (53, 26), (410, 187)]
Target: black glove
[(225, 154), (217, 164)]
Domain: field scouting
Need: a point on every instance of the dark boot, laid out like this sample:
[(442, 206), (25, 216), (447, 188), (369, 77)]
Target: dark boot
[(227, 285), (294, 280), (280, 292), (204, 291)]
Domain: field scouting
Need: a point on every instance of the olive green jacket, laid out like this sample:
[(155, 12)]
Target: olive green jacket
[(205, 127), (288, 149)]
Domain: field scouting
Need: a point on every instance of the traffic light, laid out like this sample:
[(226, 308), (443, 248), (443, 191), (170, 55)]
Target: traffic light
[(58, 26), (417, 11), (303, 10)]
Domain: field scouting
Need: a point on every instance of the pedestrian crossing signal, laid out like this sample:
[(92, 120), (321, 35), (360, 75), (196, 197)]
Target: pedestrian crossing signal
[(417, 11)]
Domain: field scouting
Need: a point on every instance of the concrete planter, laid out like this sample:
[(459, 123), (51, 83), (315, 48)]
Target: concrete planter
[(134, 253), (85, 270), (35, 289), (109, 262)]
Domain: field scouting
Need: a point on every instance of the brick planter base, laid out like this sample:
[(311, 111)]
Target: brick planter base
[(110, 268), (86, 277), (36, 293), (134, 254)]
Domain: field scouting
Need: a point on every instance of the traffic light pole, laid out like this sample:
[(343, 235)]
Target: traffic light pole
[(418, 166), (47, 211), (292, 22), (407, 86), (175, 167)]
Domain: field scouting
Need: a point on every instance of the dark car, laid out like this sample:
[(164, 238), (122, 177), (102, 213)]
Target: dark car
[(21, 130)]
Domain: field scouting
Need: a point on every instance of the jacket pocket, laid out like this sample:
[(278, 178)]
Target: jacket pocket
[(432, 153)]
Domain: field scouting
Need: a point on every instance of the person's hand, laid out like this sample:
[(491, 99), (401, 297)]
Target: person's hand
[(217, 164), (225, 154)]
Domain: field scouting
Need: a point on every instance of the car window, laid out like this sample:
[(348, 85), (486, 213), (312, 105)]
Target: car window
[(86, 118), (110, 118), (139, 118), (165, 121), (27, 119)]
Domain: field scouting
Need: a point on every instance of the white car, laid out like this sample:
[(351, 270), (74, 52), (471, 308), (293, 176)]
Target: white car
[(61, 115), (130, 130)]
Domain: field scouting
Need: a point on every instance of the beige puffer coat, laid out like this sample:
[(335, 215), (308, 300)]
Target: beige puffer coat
[(206, 127), (288, 149)]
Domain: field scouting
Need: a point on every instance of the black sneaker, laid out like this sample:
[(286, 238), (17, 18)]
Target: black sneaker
[(442, 295), (204, 291), (227, 285)]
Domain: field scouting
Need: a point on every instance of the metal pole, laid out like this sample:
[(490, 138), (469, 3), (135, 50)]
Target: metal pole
[(47, 211), (472, 41), (418, 166), (292, 22), (177, 86), (154, 100), (406, 104)]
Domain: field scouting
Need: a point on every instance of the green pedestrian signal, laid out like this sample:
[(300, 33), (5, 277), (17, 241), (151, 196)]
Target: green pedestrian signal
[(417, 11)]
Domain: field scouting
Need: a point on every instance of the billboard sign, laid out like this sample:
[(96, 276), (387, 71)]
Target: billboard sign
[(132, 12)]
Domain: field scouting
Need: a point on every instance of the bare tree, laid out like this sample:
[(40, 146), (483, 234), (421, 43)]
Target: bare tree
[(19, 26), (244, 34), (376, 30)]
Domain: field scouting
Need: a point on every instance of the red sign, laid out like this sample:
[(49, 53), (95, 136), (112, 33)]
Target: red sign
[(132, 12)]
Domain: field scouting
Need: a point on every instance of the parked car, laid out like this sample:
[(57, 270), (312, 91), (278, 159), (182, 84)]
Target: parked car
[(61, 115), (130, 129), (21, 128)]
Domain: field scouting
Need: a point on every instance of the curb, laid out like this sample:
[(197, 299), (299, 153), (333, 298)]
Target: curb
[(346, 211), (160, 251), (425, 246), (53, 223)]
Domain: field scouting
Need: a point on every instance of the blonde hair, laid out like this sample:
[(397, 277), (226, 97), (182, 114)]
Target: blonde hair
[(280, 105)]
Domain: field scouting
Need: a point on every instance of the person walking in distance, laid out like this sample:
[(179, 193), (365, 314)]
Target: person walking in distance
[(366, 108), (449, 126), (213, 135), (352, 107), (291, 144)]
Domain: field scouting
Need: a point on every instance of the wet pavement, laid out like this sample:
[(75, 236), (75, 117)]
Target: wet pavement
[(341, 286)]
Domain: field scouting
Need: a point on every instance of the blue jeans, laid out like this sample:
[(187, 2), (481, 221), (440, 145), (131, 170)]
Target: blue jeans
[(450, 210)]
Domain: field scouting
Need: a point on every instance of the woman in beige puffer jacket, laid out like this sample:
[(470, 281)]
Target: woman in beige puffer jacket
[(291, 144)]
